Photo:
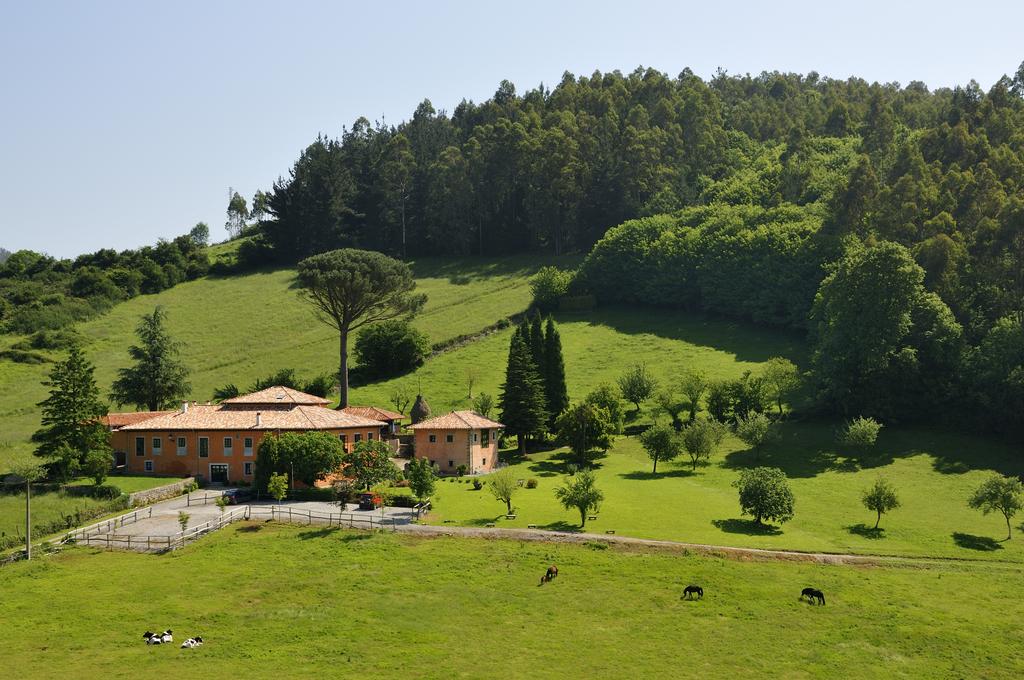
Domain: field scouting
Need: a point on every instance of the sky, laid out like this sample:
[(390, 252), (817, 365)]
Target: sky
[(125, 122)]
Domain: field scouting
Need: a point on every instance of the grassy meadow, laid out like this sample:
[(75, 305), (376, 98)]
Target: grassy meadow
[(279, 601)]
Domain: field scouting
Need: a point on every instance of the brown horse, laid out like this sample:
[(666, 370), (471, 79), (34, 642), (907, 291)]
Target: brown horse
[(551, 573)]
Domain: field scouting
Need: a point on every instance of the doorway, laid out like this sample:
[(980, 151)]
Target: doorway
[(218, 473)]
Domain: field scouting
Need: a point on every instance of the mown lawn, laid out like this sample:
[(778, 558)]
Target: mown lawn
[(933, 472), (274, 601), (238, 328)]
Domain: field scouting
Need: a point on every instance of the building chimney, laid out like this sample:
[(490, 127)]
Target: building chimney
[(259, 418), (184, 407)]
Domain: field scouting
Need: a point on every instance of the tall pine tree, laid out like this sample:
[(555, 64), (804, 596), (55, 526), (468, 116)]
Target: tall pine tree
[(537, 343), (522, 402), (158, 379), (554, 373), (71, 427)]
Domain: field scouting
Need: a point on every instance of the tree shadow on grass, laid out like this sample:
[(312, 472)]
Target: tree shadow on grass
[(645, 475), (317, 533), (558, 463), (250, 528), (562, 526), (746, 526), (864, 531), (482, 521), (972, 542)]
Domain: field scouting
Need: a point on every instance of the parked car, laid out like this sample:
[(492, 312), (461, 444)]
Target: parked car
[(368, 501), (234, 496)]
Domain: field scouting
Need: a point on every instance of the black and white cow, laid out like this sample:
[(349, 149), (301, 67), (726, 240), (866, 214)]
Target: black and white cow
[(192, 642)]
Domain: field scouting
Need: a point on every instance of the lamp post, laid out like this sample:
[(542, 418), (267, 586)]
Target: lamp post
[(27, 474)]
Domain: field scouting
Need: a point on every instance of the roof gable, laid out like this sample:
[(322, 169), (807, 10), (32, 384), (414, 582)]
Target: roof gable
[(277, 395), (458, 420)]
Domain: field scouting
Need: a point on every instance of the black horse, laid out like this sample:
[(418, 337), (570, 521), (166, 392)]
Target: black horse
[(691, 590), (813, 594), (551, 573)]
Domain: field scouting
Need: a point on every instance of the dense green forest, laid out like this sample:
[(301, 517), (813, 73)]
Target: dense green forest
[(886, 221)]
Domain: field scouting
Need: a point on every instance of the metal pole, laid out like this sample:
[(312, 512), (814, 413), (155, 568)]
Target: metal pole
[(28, 518)]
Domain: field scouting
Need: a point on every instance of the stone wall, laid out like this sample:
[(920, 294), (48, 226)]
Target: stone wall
[(161, 492)]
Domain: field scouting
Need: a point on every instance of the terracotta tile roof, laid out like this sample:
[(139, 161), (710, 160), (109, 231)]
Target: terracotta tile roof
[(278, 395), (219, 417), (457, 420), (373, 413), (118, 420)]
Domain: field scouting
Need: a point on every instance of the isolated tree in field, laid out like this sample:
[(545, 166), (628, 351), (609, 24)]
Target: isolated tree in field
[(1004, 495), (400, 397), (390, 348), (238, 214), (765, 494), (158, 379), (27, 473), (693, 384), (661, 443), (471, 376), (555, 391), (607, 397), (369, 463), (548, 285), (673, 405), (422, 478), (580, 492), (503, 486), (755, 431), (71, 426), (522, 402), (351, 288), (637, 385), (701, 438), (880, 498), (783, 379), (587, 429), (860, 434), (484, 404), (277, 486), (97, 463)]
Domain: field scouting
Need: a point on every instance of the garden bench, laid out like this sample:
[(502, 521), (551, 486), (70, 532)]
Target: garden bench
[(590, 517), (609, 531), (531, 526), (489, 524), (510, 516)]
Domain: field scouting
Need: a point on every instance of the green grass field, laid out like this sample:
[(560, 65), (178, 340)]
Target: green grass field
[(274, 601), (929, 469)]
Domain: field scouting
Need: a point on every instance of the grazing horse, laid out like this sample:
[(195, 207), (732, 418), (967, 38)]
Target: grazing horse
[(551, 573), (813, 594), (691, 590)]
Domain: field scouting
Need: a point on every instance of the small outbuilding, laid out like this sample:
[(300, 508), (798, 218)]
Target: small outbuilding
[(458, 438)]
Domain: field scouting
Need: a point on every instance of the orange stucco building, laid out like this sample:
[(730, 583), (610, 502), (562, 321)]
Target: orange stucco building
[(218, 442), (458, 438)]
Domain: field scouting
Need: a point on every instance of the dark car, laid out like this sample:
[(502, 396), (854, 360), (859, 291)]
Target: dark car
[(234, 496), (367, 501)]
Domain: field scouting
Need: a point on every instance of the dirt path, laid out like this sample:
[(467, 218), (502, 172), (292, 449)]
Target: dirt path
[(678, 546)]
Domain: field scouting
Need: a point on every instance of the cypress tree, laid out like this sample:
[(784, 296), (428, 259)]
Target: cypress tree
[(521, 400), (537, 343), (554, 373)]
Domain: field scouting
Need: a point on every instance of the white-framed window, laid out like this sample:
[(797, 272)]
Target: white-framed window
[(449, 438), (158, 446), (148, 466), (247, 445), (248, 469), (485, 437), (204, 447), (182, 448), (140, 446), (433, 438), (475, 438), (483, 461), (369, 436), (229, 444)]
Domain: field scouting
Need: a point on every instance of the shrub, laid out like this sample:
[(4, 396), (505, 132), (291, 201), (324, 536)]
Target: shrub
[(548, 286), (390, 348), (477, 485), (860, 433), (531, 483), (105, 491), (461, 470)]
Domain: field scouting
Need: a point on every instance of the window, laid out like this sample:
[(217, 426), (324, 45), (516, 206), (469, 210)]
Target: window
[(248, 469), (485, 437), (157, 446), (433, 439), (483, 461), (248, 446), (148, 465), (182, 449), (140, 446), (449, 438), (228, 446), (475, 437), (369, 436), (451, 463), (204, 447), (357, 437)]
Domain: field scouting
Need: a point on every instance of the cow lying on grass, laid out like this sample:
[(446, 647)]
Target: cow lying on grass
[(158, 638), (192, 642)]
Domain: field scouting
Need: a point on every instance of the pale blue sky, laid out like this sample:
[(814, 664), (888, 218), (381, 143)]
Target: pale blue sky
[(124, 122)]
